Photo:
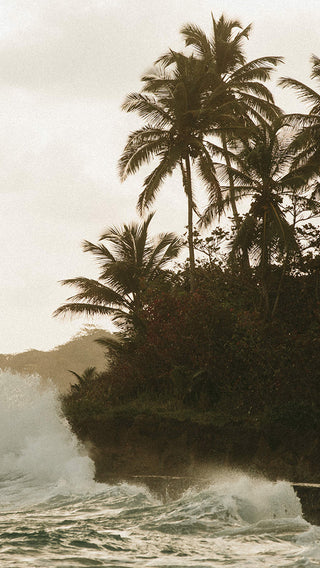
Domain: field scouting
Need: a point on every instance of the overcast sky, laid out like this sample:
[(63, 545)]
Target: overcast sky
[(66, 66)]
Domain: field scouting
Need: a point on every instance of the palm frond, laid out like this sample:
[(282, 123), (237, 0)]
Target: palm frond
[(153, 181), (100, 251), (245, 237), (208, 175), (95, 291), (135, 154), (88, 309), (168, 247), (315, 62), (148, 108), (258, 105), (305, 93), (194, 36), (259, 68)]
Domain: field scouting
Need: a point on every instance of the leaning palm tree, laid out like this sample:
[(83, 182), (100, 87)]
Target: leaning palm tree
[(129, 264), (177, 122)]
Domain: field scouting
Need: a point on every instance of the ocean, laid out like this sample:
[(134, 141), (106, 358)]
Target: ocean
[(54, 514)]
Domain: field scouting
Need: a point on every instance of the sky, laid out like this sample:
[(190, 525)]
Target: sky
[(66, 67)]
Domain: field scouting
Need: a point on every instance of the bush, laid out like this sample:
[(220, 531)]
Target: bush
[(212, 351)]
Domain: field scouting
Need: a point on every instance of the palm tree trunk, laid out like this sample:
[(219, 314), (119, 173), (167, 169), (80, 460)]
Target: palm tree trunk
[(264, 268), (284, 268), (231, 182), (237, 220), (188, 190)]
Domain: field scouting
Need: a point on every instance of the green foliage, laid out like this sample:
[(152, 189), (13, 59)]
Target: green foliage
[(127, 267), (212, 352), (306, 142), (234, 334)]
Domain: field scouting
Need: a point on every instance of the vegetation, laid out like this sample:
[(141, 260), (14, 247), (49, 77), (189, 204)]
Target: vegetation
[(127, 268), (187, 99), (232, 334), (212, 352)]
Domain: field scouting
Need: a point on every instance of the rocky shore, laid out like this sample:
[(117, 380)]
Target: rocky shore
[(151, 445)]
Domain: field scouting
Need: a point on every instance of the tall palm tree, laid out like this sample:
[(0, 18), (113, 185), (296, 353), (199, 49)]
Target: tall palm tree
[(177, 122), (231, 78), (184, 101), (130, 262)]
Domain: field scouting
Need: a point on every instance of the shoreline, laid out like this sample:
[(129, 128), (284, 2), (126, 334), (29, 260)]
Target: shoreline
[(156, 446)]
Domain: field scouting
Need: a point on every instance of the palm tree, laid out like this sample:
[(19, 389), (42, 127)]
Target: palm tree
[(231, 78), (130, 262), (267, 176), (177, 122), (89, 374), (307, 142)]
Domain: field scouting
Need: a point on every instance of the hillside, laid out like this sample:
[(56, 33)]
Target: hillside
[(76, 355)]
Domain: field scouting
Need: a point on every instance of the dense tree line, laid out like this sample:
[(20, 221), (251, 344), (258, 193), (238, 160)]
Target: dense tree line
[(237, 325)]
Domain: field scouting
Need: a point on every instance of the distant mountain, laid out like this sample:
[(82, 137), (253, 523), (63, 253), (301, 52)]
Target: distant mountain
[(75, 355)]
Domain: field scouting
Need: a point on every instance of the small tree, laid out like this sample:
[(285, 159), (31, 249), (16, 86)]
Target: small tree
[(128, 264)]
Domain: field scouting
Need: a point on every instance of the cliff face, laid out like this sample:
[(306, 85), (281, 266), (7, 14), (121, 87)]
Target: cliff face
[(76, 355), (146, 445)]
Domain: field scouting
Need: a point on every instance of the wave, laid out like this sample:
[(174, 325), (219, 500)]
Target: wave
[(53, 510), (37, 447), (238, 502), (42, 458)]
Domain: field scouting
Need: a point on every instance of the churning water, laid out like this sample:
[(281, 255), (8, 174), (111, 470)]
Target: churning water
[(53, 513)]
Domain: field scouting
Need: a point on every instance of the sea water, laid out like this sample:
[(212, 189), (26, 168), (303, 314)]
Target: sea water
[(53, 514)]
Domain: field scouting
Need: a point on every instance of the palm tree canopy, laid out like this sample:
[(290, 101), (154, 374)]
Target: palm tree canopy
[(227, 70), (225, 45), (89, 374), (265, 174), (306, 143), (238, 84), (129, 262), (184, 102), (176, 125)]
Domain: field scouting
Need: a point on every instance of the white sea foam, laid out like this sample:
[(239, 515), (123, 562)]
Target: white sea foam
[(40, 455), (236, 521), (239, 498), (37, 447), (254, 499)]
